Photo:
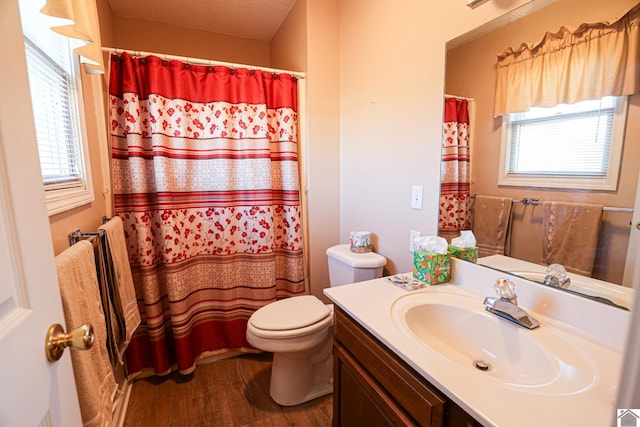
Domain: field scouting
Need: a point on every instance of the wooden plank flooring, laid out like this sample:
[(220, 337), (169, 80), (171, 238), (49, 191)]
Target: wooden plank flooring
[(228, 393)]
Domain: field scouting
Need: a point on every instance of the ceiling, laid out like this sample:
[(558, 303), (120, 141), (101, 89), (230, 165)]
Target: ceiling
[(251, 19)]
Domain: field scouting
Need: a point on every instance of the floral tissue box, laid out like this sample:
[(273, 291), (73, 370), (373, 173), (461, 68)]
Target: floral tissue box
[(467, 254), (430, 267)]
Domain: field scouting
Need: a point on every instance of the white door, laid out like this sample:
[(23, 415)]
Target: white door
[(33, 392)]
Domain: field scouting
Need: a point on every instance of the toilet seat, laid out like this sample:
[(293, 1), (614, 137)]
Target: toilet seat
[(296, 316)]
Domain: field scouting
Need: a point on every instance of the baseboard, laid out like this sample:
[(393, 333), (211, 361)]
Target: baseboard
[(121, 404)]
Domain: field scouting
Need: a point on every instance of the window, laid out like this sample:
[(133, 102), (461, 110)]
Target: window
[(56, 97), (567, 146)]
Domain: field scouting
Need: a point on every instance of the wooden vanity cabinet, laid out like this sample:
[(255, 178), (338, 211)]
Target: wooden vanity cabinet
[(374, 387)]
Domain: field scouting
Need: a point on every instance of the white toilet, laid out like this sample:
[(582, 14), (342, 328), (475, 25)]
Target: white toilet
[(298, 331)]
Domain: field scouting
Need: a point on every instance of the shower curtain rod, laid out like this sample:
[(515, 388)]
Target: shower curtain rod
[(458, 97), (200, 61)]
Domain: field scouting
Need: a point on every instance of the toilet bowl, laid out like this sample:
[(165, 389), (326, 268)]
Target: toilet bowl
[(301, 343), (298, 331)]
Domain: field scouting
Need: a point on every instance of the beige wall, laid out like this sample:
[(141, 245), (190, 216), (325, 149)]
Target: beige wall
[(480, 56), (391, 86), (323, 136), (309, 40), (147, 36), (105, 16), (288, 46)]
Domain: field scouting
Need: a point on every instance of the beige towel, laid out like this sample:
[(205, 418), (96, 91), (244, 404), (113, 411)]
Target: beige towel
[(125, 304), (491, 218), (81, 302), (571, 235)]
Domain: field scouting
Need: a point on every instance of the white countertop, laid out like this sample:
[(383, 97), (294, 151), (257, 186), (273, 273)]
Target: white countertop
[(599, 331)]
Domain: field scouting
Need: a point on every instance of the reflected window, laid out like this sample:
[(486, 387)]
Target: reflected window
[(567, 146)]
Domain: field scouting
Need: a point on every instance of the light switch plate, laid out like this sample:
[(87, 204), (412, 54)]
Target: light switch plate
[(416, 197)]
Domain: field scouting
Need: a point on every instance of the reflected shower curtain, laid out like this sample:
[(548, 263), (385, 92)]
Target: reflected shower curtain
[(205, 178), (454, 179)]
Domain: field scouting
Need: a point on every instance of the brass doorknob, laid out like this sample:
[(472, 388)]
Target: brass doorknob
[(56, 341)]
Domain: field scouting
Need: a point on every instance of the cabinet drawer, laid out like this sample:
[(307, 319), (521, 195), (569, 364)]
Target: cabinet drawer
[(422, 403)]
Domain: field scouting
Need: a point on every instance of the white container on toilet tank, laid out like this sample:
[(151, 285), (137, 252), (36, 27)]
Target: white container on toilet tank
[(349, 267)]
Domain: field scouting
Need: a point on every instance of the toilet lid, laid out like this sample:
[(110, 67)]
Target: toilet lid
[(290, 313)]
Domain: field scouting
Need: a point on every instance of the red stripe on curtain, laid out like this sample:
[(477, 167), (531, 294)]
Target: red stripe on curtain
[(144, 353), (200, 83), (145, 201), (205, 178), (188, 154), (456, 111), (455, 188)]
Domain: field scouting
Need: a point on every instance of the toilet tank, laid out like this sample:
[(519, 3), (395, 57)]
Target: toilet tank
[(349, 267)]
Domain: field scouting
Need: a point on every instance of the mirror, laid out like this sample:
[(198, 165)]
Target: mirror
[(470, 73)]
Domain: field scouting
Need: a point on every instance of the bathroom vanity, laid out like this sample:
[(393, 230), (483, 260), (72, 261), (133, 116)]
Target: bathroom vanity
[(408, 357), (374, 387)]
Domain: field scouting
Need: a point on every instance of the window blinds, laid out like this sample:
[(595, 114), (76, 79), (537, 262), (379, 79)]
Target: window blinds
[(51, 79), (566, 140)]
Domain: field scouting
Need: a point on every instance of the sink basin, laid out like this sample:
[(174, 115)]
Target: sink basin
[(456, 327)]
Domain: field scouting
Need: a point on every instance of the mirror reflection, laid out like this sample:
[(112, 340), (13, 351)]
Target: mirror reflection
[(542, 208)]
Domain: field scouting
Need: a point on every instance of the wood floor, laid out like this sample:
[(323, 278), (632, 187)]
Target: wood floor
[(232, 392)]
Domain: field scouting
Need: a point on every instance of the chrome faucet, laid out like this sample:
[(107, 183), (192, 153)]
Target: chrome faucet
[(556, 276), (506, 306)]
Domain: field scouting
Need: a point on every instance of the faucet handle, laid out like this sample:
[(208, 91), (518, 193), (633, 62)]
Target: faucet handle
[(506, 289), (556, 276)]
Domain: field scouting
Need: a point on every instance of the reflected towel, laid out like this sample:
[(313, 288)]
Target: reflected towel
[(571, 235), (491, 218), (124, 300), (76, 268)]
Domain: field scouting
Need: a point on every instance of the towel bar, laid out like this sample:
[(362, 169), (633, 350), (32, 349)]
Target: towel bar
[(531, 201), (105, 282), (77, 235)]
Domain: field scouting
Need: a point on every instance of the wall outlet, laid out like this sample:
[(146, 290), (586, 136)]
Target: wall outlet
[(412, 240)]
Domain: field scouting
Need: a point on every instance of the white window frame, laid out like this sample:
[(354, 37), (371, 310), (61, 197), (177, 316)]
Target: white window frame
[(609, 182), (63, 197), (58, 198)]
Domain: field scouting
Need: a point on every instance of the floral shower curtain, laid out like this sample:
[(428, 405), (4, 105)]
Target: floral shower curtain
[(454, 183), (205, 178)]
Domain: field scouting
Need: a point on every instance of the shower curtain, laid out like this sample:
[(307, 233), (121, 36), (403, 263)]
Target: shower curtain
[(454, 174), (205, 177)]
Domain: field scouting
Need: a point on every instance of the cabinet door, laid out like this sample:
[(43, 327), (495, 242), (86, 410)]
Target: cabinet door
[(421, 403), (358, 399), (373, 387)]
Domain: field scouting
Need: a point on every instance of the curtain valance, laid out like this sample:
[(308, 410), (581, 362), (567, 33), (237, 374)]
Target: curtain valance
[(594, 61)]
